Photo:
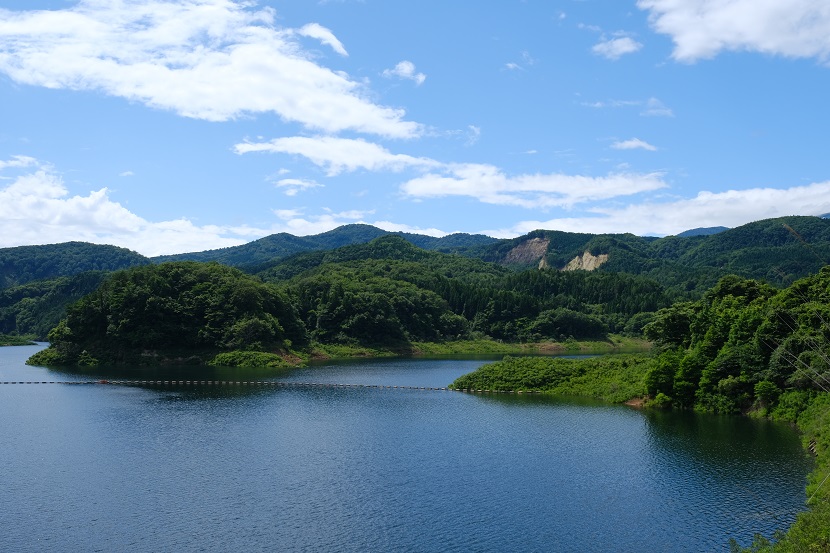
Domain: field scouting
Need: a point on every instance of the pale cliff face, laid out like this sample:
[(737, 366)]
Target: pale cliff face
[(586, 262), (528, 252), (534, 251)]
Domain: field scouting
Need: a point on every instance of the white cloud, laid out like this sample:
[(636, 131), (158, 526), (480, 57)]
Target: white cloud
[(473, 134), (615, 48), (317, 31), (701, 30), (652, 107), (337, 155), (397, 227), (295, 222), (633, 144), (485, 182), (708, 209), (36, 208), (126, 174), (489, 184), (18, 162), (527, 59), (207, 59), (294, 186), (405, 70), (656, 108)]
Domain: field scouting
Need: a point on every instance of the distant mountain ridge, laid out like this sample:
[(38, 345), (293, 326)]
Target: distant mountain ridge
[(24, 264), (776, 250), (37, 282), (702, 231), (278, 246)]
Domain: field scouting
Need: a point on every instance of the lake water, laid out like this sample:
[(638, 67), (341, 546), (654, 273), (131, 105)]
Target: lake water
[(261, 468)]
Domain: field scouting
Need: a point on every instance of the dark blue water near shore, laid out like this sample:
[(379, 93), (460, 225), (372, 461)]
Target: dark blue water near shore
[(118, 468)]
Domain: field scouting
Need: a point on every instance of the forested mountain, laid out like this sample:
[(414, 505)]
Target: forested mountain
[(29, 263), (357, 292), (278, 246), (702, 231), (776, 250), (386, 293), (35, 308)]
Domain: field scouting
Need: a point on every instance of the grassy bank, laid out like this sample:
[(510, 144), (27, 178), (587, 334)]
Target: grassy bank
[(616, 379), (478, 347), (6, 340)]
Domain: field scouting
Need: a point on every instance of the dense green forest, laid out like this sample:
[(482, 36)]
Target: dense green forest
[(173, 312), (778, 251), (26, 264), (385, 293), (36, 307), (35, 293), (413, 294), (278, 246)]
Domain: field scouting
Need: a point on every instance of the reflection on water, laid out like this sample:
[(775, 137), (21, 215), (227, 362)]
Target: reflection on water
[(219, 468)]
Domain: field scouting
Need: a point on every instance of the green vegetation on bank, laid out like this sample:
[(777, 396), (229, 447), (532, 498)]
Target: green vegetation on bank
[(6, 340), (616, 378)]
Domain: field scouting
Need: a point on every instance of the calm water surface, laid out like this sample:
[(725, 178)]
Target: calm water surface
[(118, 468)]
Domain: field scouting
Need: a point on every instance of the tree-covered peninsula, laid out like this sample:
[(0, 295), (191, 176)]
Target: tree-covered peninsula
[(174, 312)]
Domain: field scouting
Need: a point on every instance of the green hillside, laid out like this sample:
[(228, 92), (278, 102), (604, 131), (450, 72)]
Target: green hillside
[(776, 250), (278, 246), (24, 264), (178, 312), (479, 298), (35, 308)]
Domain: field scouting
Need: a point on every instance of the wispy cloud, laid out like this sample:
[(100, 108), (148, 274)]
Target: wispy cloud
[(18, 162), (298, 223), (491, 185), (405, 70), (633, 144), (526, 61), (653, 107), (707, 209), (338, 155), (487, 183), (615, 48), (701, 30), (656, 108), (207, 59), (294, 186), (317, 31)]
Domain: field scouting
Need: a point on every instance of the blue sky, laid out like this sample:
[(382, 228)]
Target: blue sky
[(174, 126)]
